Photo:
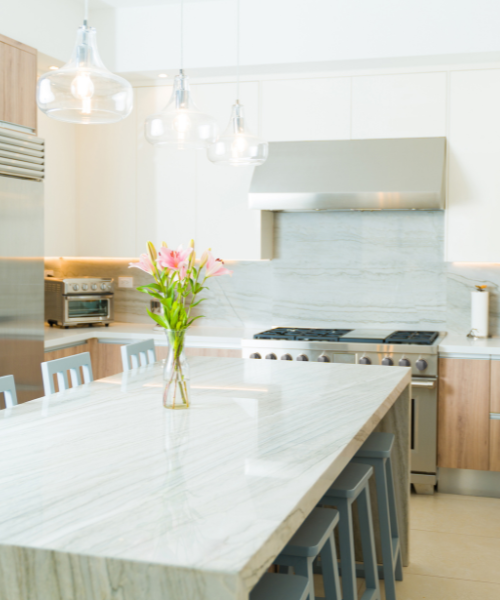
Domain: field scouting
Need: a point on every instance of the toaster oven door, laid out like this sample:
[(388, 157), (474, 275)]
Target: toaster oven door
[(90, 308)]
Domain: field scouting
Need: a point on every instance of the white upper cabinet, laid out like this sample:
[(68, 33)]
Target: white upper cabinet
[(399, 106), (106, 189), (306, 109), (473, 207)]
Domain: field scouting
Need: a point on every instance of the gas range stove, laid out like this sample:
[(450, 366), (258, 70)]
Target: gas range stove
[(387, 347)]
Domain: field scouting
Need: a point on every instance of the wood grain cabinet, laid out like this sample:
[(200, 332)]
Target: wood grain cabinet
[(495, 416), (469, 399), (463, 414), (18, 64)]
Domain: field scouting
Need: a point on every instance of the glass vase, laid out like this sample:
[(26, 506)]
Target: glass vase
[(176, 373)]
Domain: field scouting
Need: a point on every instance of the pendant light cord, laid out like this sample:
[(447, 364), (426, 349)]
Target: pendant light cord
[(237, 51), (86, 14), (182, 36)]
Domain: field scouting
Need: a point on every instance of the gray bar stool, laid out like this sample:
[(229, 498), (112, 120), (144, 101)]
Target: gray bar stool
[(376, 451), (273, 586), (352, 485), (314, 537)]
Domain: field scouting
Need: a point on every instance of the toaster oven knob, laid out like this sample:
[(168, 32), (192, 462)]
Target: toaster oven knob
[(421, 364), (85, 286), (255, 355), (364, 360), (404, 362), (387, 362), (323, 358), (271, 356), (94, 286), (75, 287), (302, 357), (286, 357)]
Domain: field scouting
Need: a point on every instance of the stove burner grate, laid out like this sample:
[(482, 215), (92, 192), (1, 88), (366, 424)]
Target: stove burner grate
[(422, 338), (302, 334)]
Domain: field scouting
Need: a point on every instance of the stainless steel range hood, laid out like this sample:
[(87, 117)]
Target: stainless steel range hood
[(396, 174)]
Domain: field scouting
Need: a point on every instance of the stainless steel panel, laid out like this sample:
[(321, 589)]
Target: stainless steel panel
[(397, 174), (424, 429), (21, 284)]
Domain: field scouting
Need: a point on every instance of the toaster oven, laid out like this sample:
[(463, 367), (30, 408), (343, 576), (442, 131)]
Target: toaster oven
[(78, 301)]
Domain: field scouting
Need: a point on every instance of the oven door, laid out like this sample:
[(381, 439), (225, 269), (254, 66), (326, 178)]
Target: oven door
[(90, 308), (424, 425)]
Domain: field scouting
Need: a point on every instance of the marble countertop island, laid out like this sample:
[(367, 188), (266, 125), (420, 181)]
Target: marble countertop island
[(106, 495)]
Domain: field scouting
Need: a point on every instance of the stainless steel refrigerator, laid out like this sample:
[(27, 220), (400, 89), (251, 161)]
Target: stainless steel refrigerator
[(21, 262)]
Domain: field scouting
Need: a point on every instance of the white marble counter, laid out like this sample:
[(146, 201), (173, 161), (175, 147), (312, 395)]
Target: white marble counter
[(460, 344), (108, 496), (197, 337)]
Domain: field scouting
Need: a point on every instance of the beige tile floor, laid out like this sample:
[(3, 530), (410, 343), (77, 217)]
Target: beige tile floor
[(454, 550)]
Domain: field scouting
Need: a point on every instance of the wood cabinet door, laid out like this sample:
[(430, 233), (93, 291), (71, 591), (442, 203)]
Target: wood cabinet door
[(495, 412), (463, 414), (19, 86)]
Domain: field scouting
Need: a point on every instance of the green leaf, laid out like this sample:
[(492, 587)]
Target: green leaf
[(160, 319), (197, 302), (194, 319)]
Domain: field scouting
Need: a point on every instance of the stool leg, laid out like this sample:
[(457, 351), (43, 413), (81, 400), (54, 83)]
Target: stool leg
[(304, 567), (394, 517), (330, 570), (368, 542), (346, 539), (385, 527)]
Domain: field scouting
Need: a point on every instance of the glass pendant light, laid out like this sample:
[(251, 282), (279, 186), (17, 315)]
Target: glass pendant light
[(83, 90), (237, 146), (181, 123)]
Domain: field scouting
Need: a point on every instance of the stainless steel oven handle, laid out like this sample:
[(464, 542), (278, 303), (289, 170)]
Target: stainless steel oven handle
[(429, 384), (90, 297)]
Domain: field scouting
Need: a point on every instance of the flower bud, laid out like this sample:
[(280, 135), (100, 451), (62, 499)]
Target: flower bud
[(204, 258), (164, 245), (152, 252), (191, 244)]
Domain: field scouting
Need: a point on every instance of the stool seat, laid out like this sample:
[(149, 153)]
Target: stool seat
[(313, 533), (378, 445), (349, 483), (274, 586)]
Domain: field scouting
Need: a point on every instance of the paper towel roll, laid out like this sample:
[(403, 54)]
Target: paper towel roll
[(480, 302)]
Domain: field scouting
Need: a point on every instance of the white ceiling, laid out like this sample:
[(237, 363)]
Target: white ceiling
[(129, 3)]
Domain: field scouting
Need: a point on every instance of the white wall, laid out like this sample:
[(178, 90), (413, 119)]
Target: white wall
[(47, 25), (284, 32), (60, 186)]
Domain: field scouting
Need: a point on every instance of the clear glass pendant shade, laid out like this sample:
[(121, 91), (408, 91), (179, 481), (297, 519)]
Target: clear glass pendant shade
[(237, 146), (181, 123), (83, 90)]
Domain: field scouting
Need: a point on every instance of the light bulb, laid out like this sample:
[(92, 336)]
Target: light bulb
[(181, 123), (82, 89)]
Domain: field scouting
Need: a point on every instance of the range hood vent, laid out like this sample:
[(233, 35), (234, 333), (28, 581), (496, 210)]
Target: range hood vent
[(399, 174)]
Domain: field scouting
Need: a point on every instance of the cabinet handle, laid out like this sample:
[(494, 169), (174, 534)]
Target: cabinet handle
[(495, 416)]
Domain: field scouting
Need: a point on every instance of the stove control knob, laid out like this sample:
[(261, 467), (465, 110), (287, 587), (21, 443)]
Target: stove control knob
[(255, 355), (94, 286), (103, 286), (421, 364), (271, 357), (75, 287), (387, 362), (302, 357), (364, 360), (323, 358), (404, 362), (85, 286), (286, 357)]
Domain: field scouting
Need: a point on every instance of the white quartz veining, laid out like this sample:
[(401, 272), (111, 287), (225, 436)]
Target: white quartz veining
[(108, 496)]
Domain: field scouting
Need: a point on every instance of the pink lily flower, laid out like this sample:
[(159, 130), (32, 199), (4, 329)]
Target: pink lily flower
[(183, 270), (215, 267), (144, 264), (173, 259)]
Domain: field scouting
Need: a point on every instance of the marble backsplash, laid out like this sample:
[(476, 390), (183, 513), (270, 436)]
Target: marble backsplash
[(332, 269)]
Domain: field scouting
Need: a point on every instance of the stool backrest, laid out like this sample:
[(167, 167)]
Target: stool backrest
[(60, 367), (139, 353), (8, 387)]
